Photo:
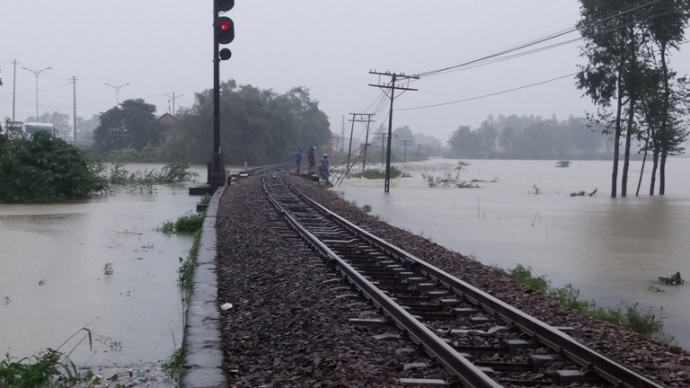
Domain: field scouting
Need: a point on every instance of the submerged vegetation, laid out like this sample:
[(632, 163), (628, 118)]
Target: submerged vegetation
[(374, 173), (46, 169), (673, 280), (630, 317), (189, 223)]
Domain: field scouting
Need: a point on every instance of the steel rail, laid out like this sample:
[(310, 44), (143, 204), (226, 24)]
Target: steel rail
[(607, 368), (455, 363)]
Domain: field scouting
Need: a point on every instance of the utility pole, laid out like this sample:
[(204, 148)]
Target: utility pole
[(392, 86), (74, 113), (383, 146), (36, 74), (360, 120), (405, 143), (14, 88), (342, 135), (366, 143), (173, 98), (117, 92)]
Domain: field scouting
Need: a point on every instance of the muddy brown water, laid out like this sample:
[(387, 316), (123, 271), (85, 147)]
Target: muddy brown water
[(610, 249), (52, 280)]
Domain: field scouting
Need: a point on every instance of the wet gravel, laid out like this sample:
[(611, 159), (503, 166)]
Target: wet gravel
[(288, 325), (666, 363)]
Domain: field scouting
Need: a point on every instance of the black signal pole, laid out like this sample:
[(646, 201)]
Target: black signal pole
[(216, 162)]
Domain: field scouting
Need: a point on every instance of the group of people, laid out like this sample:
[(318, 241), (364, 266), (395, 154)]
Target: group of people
[(323, 165)]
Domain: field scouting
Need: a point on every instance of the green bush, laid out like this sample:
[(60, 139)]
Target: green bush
[(46, 169)]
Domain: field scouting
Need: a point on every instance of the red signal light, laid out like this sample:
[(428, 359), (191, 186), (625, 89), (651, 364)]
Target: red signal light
[(225, 30)]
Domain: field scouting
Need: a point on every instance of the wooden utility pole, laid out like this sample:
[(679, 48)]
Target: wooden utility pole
[(383, 145), (393, 87), (360, 120), (405, 143)]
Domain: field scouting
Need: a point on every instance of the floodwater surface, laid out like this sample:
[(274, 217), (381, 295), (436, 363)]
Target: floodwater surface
[(611, 249), (53, 277)]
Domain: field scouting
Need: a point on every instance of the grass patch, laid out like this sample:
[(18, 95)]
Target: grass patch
[(205, 200), (185, 224), (630, 317), (174, 365), (49, 368), (186, 270)]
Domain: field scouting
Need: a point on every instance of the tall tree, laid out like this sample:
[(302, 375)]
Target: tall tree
[(666, 24), (132, 124), (607, 27)]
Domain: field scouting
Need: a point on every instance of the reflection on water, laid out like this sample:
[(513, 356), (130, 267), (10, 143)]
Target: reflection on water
[(52, 280), (611, 249)]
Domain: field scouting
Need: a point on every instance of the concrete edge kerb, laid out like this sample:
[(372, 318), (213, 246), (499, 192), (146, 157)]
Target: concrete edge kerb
[(203, 356)]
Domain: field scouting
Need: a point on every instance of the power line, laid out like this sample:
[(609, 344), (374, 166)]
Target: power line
[(491, 94), (542, 39)]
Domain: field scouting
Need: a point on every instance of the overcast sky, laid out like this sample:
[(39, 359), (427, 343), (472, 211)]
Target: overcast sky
[(329, 46)]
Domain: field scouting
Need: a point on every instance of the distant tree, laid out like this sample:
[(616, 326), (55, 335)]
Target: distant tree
[(403, 133), (86, 128), (132, 124), (258, 126)]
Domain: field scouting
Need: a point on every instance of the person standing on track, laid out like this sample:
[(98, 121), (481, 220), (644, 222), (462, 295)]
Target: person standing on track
[(323, 169), (310, 158), (298, 159)]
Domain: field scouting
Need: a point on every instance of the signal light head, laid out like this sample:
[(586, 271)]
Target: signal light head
[(225, 54), (225, 30)]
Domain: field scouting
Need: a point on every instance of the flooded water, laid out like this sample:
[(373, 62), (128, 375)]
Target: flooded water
[(611, 249), (53, 283)]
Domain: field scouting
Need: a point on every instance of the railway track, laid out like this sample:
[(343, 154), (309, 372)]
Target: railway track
[(480, 340)]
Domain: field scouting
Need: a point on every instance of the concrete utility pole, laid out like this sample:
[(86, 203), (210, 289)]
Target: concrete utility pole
[(405, 143), (14, 88), (37, 73), (392, 86), (173, 98), (74, 112), (117, 92), (360, 120)]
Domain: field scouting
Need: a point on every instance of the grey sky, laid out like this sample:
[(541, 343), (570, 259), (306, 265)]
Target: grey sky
[(329, 46)]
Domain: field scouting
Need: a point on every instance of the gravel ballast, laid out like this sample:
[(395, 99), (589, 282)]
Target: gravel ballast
[(666, 363), (288, 325)]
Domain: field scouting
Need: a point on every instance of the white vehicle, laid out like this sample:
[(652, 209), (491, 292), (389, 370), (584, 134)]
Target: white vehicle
[(30, 128), (26, 130)]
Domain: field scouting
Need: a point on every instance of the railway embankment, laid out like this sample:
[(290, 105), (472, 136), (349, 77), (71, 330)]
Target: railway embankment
[(287, 318), (664, 361)]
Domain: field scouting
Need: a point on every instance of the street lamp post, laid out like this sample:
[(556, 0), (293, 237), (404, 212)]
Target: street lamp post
[(117, 92), (36, 74)]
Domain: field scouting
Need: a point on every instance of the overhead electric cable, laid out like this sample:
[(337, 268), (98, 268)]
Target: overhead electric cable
[(490, 94)]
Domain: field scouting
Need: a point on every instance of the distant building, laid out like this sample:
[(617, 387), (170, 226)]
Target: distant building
[(167, 120)]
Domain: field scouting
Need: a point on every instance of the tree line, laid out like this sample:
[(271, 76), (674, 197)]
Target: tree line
[(528, 137), (258, 126)]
